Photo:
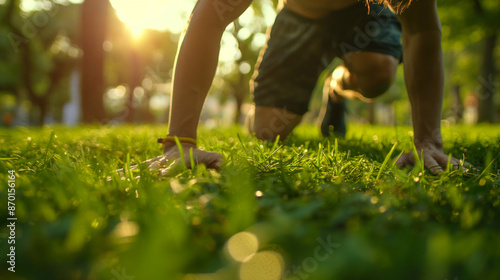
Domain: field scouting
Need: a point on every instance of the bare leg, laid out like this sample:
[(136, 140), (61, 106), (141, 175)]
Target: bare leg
[(365, 75), (268, 123)]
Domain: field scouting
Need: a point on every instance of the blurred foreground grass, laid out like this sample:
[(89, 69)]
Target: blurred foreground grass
[(308, 208)]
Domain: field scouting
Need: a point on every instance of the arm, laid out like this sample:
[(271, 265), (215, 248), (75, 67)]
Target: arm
[(195, 68), (424, 77)]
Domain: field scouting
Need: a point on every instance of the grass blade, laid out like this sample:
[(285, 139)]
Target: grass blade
[(181, 151), (191, 158), (386, 160)]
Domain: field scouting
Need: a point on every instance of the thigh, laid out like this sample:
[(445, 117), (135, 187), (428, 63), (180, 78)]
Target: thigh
[(372, 73), (378, 31), (290, 63)]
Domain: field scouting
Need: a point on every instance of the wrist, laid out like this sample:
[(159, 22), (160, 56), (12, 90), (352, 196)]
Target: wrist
[(172, 145), (171, 141), (427, 134), (426, 141)]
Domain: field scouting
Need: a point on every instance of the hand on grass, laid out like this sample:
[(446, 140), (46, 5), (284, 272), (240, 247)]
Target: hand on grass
[(171, 160), (434, 158)]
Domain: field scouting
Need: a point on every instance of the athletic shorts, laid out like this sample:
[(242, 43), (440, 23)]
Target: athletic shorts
[(300, 48)]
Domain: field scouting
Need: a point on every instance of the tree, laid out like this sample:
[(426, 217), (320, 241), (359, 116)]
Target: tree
[(35, 66), (488, 69), (470, 30), (94, 17)]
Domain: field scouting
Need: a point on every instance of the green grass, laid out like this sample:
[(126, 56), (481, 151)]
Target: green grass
[(293, 198)]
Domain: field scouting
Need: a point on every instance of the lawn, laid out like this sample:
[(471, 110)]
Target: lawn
[(308, 208)]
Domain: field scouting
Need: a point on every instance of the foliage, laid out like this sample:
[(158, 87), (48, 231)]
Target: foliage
[(38, 54), (293, 197), (465, 26)]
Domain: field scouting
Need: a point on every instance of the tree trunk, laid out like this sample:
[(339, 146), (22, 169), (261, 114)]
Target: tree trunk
[(134, 82), (43, 107), (457, 107), (241, 88), (93, 32), (487, 87)]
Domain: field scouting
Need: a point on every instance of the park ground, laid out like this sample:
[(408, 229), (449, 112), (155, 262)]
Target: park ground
[(308, 208)]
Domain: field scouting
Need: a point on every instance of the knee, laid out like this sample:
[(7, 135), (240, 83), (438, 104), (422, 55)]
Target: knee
[(268, 129), (269, 123), (378, 77)]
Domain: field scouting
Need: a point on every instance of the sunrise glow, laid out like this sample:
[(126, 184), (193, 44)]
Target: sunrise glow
[(160, 15)]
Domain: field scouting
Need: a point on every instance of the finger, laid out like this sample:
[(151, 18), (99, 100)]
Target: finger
[(405, 160), (466, 167), (121, 171), (172, 169), (432, 165), (216, 161), (211, 160), (152, 159), (154, 165), (165, 171), (134, 167), (443, 160), (160, 161), (458, 163), (469, 166)]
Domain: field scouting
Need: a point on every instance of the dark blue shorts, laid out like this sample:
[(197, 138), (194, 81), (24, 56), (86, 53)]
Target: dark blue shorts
[(300, 48)]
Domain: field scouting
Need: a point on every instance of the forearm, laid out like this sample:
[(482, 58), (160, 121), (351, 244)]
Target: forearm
[(194, 70), (424, 69), (196, 62), (424, 76)]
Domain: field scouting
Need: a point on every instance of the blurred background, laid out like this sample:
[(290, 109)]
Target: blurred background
[(99, 61)]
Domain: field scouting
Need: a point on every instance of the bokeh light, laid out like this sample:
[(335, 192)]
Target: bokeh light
[(265, 265), (242, 245)]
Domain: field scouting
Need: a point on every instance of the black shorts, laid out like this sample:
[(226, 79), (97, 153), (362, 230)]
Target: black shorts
[(300, 48)]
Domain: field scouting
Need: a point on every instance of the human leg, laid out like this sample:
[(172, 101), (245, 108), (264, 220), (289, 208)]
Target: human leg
[(287, 74), (369, 45), (365, 75), (271, 122)]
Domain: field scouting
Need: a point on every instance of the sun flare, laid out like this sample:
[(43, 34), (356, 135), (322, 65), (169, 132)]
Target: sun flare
[(160, 15)]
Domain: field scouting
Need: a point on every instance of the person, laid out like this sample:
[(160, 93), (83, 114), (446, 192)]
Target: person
[(306, 35)]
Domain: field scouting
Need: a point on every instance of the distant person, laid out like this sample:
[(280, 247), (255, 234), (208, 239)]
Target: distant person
[(471, 112), (306, 36)]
